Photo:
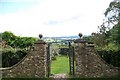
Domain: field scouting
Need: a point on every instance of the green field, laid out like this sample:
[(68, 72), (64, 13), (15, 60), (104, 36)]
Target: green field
[(60, 65)]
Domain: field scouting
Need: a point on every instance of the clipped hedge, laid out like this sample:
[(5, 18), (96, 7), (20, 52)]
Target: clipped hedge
[(64, 51), (111, 57), (10, 58)]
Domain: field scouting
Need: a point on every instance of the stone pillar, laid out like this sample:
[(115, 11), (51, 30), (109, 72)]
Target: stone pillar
[(40, 58), (80, 51)]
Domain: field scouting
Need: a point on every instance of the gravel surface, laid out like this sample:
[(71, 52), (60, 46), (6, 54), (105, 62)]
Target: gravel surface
[(60, 76)]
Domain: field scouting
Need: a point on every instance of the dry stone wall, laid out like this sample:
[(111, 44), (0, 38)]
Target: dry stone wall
[(89, 64), (33, 65)]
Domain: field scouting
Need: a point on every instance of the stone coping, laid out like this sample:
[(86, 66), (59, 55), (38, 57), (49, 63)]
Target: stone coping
[(40, 42), (80, 41)]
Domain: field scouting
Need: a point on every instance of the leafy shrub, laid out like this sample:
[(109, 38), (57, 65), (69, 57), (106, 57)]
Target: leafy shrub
[(64, 51), (10, 58), (16, 41), (111, 57)]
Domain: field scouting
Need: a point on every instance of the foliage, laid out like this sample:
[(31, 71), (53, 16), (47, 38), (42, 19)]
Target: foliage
[(111, 57), (115, 34), (107, 37), (14, 48), (113, 16), (88, 38), (113, 11), (17, 41), (8, 37), (99, 40), (11, 57), (64, 51), (54, 49), (112, 46), (23, 42), (0, 36)]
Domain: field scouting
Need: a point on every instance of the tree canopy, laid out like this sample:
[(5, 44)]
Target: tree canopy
[(113, 11), (113, 16), (109, 31), (17, 41)]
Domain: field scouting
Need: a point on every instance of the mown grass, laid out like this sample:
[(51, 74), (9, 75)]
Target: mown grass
[(60, 65)]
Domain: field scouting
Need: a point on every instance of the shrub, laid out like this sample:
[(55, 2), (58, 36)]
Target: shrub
[(10, 58), (111, 57), (64, 51)]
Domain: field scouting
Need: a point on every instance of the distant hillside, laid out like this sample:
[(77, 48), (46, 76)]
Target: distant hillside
[(64, 37), (59, 39)]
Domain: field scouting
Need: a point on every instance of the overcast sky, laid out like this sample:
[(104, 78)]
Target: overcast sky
[(51, 17)]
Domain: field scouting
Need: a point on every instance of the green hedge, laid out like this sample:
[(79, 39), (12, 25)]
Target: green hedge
[(10, 58), (111, 57), (64, 51)]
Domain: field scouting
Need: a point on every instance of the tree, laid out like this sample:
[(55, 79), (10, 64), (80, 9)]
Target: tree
[(99, 40), (23, 42), (115, 34), (113, 11), (113, 16), (17, 41), (8, 37), (106, 34)]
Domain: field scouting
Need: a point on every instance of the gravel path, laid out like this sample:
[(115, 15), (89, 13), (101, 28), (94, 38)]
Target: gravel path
[(60, 76)]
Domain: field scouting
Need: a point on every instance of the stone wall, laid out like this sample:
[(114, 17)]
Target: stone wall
[(32, 65), (89, 64)]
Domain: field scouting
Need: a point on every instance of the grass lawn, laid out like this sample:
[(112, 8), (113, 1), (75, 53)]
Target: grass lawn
[(60, 65)]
